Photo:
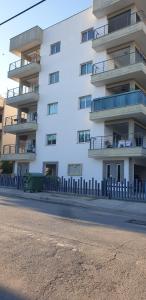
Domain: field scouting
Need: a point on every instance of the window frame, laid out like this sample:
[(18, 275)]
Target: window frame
[(118, 172), (108, 171), (53, 74), (87, 31), (86, 64), (49, 105), (82, 98), (71, 174), (78, 136), (51, 134), (55, 45)]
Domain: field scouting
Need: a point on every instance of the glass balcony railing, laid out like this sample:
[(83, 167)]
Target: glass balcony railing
[(24, 62), (119, 100), (22, 90)]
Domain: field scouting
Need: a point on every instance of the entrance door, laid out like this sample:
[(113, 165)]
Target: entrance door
[(22, 168), (113, 169), (51, 169)]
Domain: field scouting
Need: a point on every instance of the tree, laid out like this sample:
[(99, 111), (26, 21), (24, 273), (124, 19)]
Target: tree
[(7, 167)]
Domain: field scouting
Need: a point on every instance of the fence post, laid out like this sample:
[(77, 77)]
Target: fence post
[(17, 180)]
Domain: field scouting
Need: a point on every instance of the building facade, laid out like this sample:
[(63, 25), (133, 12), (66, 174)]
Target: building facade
[(81, 97), (5, 138)]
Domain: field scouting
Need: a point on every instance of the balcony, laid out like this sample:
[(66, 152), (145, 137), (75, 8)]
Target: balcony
[(124, 67), (22, 96), (130, 28), (22, 153), (22, 124), (120, 106), (24, 68), (111, 147), (26, 40), (105, 7)]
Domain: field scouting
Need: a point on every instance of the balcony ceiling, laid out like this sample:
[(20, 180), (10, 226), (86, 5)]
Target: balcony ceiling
[(26, 40), (106, 7)]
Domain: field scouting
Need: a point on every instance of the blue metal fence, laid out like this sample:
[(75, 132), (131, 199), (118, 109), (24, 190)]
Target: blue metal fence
[(11, 181), (109, 189)]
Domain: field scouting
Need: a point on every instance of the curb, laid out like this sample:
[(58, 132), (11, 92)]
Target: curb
[(73, 203), (49, 200)]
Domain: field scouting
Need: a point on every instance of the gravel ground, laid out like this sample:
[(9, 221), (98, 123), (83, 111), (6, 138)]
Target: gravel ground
[(44, 257)]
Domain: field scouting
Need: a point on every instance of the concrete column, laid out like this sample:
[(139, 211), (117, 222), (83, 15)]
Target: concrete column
[(132, 53), (131, 129), (126, 169), (20, 87), (131, 170), (15, 168), (22, 60), (132, 85), (17, 143), (133, 15), (19, 113)]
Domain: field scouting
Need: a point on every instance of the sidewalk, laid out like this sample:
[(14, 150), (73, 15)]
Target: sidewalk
[(113, 206)]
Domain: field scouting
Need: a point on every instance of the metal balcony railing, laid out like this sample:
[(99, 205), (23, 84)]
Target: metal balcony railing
[(24, 62), (24, 118), (120, 22), (22, 90), (118, 101), (114, 141), (118, 62), (19, 149)]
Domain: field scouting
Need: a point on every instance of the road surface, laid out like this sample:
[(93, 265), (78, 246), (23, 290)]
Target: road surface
[(62, 252)]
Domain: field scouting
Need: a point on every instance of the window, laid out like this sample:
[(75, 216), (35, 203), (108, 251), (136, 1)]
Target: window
[(54, 77), (85, 102), (86, 68), (52, 108), (84, 136), (51, 139), (75, 170), (119, 21), (55, 48), (87, 35)]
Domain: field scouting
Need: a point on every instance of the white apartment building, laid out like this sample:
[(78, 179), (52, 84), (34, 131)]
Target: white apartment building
[(81, 98)]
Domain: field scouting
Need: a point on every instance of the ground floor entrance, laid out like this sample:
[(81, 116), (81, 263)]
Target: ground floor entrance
[(22, 168), (50, 168), (129, 169), (140, 173)]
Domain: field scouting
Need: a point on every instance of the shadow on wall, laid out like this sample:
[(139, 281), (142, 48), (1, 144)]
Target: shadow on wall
[(6, 294)]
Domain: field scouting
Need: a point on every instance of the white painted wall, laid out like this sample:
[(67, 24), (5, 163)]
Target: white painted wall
[(69, 119)]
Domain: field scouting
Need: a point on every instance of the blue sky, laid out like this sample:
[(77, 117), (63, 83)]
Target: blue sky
[(46, 14)]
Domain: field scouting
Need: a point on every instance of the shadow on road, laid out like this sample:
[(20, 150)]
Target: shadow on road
[(6, 294), (93, 216)]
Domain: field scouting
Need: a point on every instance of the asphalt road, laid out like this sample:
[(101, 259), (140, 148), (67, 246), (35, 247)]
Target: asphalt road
[(61, 252)]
